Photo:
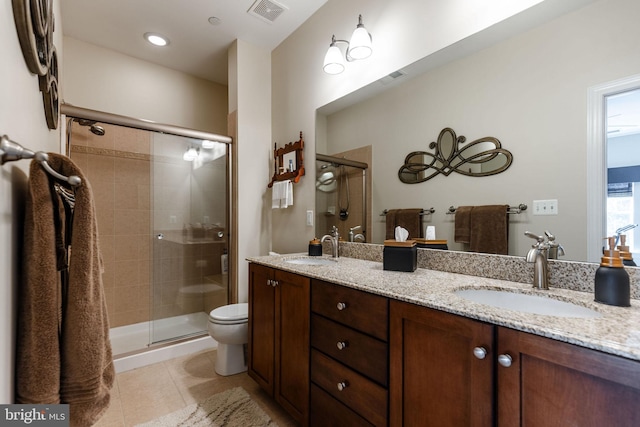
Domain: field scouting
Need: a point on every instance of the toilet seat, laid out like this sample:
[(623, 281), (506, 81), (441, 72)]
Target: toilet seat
[(231, 314)]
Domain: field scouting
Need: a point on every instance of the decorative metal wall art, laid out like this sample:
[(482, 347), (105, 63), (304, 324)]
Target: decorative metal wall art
[(482, 157), (35, 24)]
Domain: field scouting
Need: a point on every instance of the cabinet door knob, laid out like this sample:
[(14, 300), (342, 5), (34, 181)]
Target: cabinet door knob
[(480, 352), (505, 360), (342, 385), (342, 345), (341, 306)]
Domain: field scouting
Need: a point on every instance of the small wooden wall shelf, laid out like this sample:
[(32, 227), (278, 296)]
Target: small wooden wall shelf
[(288, 162)]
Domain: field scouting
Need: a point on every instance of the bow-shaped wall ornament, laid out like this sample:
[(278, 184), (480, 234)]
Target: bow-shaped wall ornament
[(482, 157)]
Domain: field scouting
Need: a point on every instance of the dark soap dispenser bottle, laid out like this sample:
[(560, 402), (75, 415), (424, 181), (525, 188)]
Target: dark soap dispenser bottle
[(612, 281)]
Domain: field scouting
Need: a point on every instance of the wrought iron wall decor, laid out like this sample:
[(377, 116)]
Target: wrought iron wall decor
[(482, 157), (35, 24)]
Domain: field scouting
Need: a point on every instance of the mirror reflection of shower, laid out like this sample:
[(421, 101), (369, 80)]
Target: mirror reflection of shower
[(342, 196)]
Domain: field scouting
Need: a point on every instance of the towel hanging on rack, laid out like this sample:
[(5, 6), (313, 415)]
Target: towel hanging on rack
[(63, 353), (282, 194)]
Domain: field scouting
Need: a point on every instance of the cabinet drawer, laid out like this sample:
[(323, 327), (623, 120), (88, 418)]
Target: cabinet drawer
[(327, 411), (360, 310), (361, 352), (359, 393)]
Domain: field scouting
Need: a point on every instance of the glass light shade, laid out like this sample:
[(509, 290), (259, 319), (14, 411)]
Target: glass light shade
[(190, 155), (360, 44), (333, 61), (207, 144)]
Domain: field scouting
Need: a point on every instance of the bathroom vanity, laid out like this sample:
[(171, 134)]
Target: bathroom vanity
[(375, 347)]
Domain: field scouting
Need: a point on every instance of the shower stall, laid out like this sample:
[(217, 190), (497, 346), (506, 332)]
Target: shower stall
[(343, 197), (162, 200)]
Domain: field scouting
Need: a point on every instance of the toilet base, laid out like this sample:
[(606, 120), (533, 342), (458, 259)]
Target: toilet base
[(230, 359)]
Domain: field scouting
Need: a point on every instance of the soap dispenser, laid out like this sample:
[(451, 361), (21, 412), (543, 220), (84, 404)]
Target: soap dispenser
[(625, 254), (612, 281)]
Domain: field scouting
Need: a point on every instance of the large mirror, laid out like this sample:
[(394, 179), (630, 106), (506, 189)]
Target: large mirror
[(529, 91)]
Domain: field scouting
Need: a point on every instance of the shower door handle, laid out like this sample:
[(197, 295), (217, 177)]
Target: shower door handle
[(160, 236)]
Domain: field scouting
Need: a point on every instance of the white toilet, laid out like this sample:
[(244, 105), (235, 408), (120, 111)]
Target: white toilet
[(228, 325)]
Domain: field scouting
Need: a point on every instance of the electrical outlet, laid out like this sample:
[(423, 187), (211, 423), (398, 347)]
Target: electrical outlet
[(172, 219), (310, 218), (545, 207)]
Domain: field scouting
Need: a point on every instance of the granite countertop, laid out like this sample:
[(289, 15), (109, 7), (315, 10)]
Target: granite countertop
[(616, 331)]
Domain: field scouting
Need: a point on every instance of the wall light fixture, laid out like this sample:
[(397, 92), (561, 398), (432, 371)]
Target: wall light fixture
[(359, 47)]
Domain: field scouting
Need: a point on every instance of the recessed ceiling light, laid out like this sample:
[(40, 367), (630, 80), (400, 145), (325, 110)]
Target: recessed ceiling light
[(214, 20), (156, 39)]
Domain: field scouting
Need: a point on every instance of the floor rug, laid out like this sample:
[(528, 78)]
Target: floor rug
[(231, 408)]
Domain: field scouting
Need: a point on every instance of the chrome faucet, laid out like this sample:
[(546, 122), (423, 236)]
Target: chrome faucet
[(355, 237), (334, 238), (555, 248), (538, 256)]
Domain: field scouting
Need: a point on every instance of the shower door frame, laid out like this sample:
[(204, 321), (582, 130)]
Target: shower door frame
[(68, 111)]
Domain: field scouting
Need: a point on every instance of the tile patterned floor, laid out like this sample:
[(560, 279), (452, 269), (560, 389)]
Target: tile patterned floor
[(149, 392)]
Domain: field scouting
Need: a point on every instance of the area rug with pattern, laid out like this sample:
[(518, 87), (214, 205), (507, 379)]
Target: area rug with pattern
[(231, 408)]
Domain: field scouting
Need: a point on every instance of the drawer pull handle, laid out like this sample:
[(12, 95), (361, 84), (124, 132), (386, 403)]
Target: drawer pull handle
[(480, 352), (505, 360), (342, 345), (342, 385), (341, 306)]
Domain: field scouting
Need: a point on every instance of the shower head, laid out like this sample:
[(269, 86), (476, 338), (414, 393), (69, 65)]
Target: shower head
[(93, 126), (97, 129)]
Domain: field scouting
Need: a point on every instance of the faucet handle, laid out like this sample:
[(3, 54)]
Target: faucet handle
[(357, 227), (540, 239)]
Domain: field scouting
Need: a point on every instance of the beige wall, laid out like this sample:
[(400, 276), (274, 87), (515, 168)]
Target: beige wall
[(530, 92), (250, 97), (404, 31), (22, 119), (104, 80)]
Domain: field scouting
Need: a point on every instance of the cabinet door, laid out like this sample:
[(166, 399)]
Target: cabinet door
[(435, 378), (262, 326), (550, 383), (292, 343)]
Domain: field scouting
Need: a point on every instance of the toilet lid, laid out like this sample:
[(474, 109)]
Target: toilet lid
[(231, 312)]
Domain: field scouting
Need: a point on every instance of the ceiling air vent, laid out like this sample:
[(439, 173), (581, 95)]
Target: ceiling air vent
[(267, 10)]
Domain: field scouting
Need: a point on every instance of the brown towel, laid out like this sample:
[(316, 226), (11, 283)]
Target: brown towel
[(462, 227), (490, 229), (408, 219), (390, 225), (63, 353)]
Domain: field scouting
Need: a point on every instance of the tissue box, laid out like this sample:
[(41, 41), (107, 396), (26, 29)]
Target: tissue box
[(400, 256), (432, 244)]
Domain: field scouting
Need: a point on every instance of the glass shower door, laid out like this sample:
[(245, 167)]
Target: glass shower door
[(190, 229)]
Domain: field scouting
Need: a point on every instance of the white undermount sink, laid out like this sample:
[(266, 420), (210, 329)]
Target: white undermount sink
[(311, 261), (526, 303)]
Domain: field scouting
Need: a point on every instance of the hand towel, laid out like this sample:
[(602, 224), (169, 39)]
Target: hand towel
[(282, 194), (489, 229), (409, 219), (276, 195), (462, 227), (63, 353)]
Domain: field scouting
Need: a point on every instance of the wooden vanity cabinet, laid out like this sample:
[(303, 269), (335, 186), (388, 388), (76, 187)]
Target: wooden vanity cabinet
[(437, 377), (550, 383), (349, 357), (278, 348)]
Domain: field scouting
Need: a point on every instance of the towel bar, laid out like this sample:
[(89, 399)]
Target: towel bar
[(512, 209), (11, 151), (423, 213)]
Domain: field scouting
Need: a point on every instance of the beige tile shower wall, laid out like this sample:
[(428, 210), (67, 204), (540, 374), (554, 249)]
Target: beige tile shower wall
[(117, 166)]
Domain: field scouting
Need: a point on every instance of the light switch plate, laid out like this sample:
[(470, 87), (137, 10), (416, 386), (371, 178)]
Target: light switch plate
[(310, 218), (545, 207)]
